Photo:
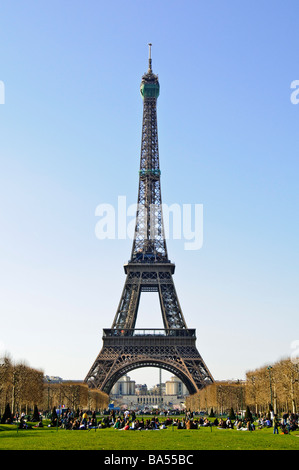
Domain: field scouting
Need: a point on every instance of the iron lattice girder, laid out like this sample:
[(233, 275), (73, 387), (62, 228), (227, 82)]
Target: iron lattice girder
[(149, 231), (125, 350), (149, 277)]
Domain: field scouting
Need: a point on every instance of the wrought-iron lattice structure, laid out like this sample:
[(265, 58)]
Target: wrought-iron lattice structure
[(149, 269)]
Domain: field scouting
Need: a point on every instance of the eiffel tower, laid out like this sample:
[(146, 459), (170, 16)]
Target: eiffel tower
[(149, 270)]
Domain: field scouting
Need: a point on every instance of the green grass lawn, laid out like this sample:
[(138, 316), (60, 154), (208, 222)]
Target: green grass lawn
[(164, 439)]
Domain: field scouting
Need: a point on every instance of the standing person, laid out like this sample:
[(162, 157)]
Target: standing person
[(275, 424), (94, 418), (84, 419)]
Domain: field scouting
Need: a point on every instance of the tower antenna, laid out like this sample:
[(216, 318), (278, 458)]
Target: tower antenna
[(150, 58)]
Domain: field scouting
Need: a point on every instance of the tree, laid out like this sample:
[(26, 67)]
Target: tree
[(5, 381), (248, 414), (35, 417), (7, 416), (232, 415)]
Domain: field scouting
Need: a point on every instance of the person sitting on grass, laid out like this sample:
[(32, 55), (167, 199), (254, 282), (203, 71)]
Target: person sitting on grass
[(141, 424), (147, 424), (284, 429), (168, 422), (181, 424), (76, 424), (228, 423), (69, 424), (189, 424), (221, 424), (103, 424), (239, 424), (23, 424), (155, 423), (127, 426), (39, 425), (117, 423)]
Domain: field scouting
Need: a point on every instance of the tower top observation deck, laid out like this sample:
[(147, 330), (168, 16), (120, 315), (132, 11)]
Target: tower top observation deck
[(150, 87)]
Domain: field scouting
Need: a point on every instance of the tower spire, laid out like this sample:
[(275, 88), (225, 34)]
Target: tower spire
[(150, 58)]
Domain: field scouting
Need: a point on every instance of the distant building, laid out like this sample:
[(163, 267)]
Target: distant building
[(157, 390), (141, 389), (124, 386), (126, 393), (174, 386), (53, 379)]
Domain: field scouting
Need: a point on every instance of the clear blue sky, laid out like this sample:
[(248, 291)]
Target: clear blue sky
[(70, 140)]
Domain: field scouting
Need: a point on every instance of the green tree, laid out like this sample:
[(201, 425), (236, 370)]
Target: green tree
[(7, 416), (35, 417), (232, 415), (248, 414)]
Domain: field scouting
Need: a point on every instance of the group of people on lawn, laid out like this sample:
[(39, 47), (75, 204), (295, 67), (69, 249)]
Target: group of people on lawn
[(128, 421)]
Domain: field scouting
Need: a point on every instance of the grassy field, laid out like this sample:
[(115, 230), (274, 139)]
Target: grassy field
[(164, 439)]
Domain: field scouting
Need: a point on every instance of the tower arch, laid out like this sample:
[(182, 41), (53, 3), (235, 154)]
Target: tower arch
[(117, 374)]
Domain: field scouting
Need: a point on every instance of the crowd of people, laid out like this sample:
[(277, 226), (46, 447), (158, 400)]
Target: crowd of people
[(128, 420), (71, 420), (288, 422), (124, 420)]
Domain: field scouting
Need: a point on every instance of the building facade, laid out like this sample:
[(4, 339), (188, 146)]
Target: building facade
[(127, 393)]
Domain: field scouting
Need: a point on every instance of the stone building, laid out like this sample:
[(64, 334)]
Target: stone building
[(124, 386), (175, 387), (126, 392)]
